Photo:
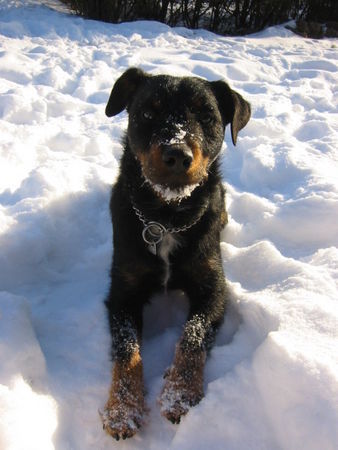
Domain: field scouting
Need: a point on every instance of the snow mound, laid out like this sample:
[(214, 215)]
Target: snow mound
[(20, 352), (28, 419)]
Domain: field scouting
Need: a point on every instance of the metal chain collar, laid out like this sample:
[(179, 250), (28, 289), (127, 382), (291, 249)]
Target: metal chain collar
[(154, 232)]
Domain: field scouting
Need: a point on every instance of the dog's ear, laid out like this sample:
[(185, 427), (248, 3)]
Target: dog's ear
[(233, 107), (123, 90)]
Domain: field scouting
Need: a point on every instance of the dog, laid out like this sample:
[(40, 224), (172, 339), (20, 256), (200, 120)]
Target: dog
[(168, 210)]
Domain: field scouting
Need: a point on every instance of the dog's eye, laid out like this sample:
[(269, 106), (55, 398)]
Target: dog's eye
[(206, 118), (147, 115)]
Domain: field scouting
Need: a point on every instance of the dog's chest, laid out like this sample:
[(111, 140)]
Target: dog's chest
[(166, 247)]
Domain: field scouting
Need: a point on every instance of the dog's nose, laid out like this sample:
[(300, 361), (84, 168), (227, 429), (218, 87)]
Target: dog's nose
[(177, 158)]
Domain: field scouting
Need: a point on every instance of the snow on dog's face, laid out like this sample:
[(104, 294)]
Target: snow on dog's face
[(176, 126)]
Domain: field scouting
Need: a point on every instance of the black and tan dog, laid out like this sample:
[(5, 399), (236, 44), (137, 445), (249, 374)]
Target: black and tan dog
[(168, 210)]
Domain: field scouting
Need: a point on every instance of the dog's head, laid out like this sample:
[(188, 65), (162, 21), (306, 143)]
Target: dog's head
[(176, 125)]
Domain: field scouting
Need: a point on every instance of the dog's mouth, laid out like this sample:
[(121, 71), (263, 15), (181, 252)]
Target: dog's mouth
[(174, 170), (169, 194)]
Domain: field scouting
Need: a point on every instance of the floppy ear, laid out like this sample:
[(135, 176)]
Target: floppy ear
[(233, 107), (123, 90)]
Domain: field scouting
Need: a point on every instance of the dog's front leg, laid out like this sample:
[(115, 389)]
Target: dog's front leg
[(183, 387), (124, 410)]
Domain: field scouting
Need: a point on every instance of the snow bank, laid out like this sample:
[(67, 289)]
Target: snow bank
[(272, 379), (19, 348), (27, 418)]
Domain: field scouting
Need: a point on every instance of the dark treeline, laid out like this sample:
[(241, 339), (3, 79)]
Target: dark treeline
[(220, 16)]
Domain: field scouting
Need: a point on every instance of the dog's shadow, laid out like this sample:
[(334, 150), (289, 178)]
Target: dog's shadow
[(236, 340), (164, 318)]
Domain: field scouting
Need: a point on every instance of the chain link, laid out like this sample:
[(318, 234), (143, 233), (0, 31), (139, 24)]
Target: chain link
[(167, 230)]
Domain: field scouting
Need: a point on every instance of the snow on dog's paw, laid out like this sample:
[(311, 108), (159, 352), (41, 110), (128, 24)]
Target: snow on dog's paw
[(178, 397), (173, 411), (121, 421), (125, 408)]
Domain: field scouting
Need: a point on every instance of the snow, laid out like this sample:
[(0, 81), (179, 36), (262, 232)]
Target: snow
[(271, 381), (169, 195)]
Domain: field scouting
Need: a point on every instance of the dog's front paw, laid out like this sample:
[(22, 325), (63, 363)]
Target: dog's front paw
[(122, 419), (178, 396)]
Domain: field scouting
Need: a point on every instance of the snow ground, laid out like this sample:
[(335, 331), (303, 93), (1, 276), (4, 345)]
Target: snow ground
[(272, 379)]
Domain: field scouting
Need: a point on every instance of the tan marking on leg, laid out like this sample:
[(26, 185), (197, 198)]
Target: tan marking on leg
[(123, 413), (184, 384)]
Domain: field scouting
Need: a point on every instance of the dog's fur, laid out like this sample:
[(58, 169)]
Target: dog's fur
[(169, 174)]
